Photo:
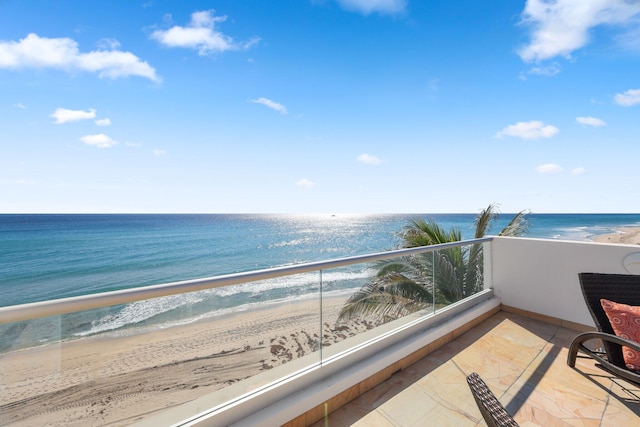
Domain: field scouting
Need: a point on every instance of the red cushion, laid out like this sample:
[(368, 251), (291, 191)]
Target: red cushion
[(625, 321)]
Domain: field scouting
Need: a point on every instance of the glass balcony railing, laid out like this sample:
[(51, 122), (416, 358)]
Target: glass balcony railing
[(121, 356)]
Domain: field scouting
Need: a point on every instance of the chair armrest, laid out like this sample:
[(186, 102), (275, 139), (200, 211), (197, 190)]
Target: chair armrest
[(586, 336), (578, 344)]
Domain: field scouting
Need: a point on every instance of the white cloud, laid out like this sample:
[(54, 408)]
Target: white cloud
[(369, 6), (549, 168), (304, 182), (590, 121), (578, 171), (63, 115), (271, 104), (561, 26), (115, 64), (547, 71), (533, 129), (109, 44), (20, 105), (103, 122), (368, 159), (159, 152), (100, 140), (62, 53), (201, 34), (628, 98)]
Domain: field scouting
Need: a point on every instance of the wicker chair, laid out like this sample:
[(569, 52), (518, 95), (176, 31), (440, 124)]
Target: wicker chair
[(621, 288), (492, 410)]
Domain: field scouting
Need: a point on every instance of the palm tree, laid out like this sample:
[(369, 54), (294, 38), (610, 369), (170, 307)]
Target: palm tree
[(403, 286)]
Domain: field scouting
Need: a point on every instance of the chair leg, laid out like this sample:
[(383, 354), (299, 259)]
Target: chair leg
[(577, 344), (573, 353)]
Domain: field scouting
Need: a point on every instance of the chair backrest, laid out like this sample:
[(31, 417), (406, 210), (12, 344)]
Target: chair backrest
[(491, 409), (620, 288)]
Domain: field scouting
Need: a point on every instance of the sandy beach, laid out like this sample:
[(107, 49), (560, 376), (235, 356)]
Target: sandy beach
[(120, 380), (627, 236)]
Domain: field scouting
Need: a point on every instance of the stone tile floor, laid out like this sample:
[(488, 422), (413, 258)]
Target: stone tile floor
[(522, 360)]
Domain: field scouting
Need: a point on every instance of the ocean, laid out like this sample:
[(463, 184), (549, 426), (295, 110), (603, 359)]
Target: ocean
[(45, 257)]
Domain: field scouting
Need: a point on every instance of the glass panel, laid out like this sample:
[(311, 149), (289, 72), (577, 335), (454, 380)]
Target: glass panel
[(123, 363), (199, 350), (385, 295), (338, 324), (373, 298)]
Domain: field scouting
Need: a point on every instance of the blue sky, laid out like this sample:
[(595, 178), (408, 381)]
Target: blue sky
[(319, 106)]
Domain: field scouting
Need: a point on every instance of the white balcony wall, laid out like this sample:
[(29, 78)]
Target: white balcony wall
[(542, 275)]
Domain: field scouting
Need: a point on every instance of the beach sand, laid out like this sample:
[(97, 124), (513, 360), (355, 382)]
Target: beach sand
[(627, 235), (120, 380)]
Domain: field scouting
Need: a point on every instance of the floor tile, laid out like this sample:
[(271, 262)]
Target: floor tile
[(523, 362)]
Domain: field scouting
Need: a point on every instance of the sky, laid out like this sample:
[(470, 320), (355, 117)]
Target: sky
[(319, 106)]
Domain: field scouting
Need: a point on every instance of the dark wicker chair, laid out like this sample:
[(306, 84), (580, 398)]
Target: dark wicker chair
[(621, 288), (492, 410)]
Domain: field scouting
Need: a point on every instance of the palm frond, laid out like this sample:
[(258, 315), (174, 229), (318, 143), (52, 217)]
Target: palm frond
[(383, 302), (474, 277), (405, 285), (422, 232), (448, 275), (485, 219), (518, 225)]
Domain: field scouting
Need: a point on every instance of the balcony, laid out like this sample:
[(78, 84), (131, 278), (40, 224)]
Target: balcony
[(522, 360), (514, 333)]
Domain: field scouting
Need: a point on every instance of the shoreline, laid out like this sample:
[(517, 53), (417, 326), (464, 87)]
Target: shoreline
[(623, 235)]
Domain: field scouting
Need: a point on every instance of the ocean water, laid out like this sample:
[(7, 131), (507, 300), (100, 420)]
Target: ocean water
[(45, 257)]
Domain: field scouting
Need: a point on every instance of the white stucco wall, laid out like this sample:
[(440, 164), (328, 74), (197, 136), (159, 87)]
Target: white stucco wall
[(542, 275)]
